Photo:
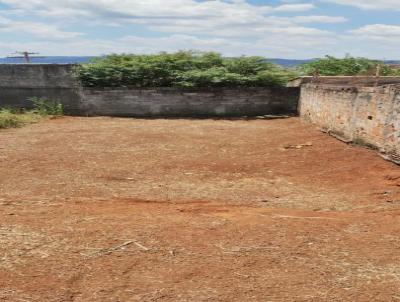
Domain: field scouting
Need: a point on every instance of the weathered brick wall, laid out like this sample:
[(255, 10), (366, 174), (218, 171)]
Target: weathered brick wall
[(392, 130), (361, 81), (365, 115), (181, 103)]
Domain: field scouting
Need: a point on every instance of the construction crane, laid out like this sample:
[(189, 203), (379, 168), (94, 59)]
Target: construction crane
[(26, 55)]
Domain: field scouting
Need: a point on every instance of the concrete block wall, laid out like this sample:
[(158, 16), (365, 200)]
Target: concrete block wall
[(36, 75), (368, 116), (170, 102), (19, 82)]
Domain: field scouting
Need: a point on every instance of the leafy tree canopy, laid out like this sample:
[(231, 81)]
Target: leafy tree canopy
[(348, 66), (185, 69)]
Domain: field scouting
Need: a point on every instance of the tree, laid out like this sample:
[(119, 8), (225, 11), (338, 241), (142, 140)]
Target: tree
[(348, 66), (186, 69)]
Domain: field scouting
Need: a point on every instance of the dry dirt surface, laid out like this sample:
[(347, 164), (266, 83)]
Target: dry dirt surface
[(108, 209)]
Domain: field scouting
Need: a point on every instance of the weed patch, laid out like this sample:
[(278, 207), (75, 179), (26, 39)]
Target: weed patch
[(10, 119), (43, 108)]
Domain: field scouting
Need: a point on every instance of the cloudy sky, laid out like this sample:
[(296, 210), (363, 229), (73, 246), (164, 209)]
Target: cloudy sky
[(271, 28)]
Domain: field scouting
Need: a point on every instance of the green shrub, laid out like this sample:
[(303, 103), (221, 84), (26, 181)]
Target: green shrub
[(247, 66), (348, 66), (12, 119), (211, 77), (46, 107), (9, 119), (181, 69)]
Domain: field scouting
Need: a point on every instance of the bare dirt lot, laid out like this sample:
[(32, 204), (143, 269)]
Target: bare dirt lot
[(106, 209)]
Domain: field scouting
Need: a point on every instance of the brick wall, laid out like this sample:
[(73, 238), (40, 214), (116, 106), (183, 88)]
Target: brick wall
[(361, 81), (368, 116)]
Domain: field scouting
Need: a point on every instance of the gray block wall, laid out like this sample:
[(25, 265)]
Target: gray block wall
[(19, 82), (170, 102)]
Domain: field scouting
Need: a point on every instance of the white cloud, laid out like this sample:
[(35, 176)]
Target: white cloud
[(126, 9), (379, 41), (218, 18), (318, 19), (233, 27), (370, 4), (271, 45), (378, 30), (239, 29), (36, 29), (299, 7)]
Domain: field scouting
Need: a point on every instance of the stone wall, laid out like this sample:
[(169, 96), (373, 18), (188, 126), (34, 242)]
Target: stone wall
[(368, 116), (360, 81), (19, 82), (170, 102)]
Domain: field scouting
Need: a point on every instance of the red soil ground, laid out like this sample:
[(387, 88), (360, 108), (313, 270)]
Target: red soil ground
[(106, 209)]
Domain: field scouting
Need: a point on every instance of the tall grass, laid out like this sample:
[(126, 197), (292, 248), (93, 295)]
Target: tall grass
[(10, 119), (43, 108)]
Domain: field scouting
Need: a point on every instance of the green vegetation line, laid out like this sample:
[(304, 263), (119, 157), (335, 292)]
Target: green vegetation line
[(348, 66), (184, 69), (189, 69)]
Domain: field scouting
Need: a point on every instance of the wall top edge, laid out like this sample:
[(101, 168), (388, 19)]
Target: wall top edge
[(354, 88)]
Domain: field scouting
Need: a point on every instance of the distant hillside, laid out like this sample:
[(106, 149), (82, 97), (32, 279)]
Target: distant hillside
[(72, 60), (76, 60), (294, 63), (49, 60), (289, 62)]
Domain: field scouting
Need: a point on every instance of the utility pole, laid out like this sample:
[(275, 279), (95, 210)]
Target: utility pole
[(26, 55)]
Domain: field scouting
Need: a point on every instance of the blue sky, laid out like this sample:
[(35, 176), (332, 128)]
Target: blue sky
[(276, 28)]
